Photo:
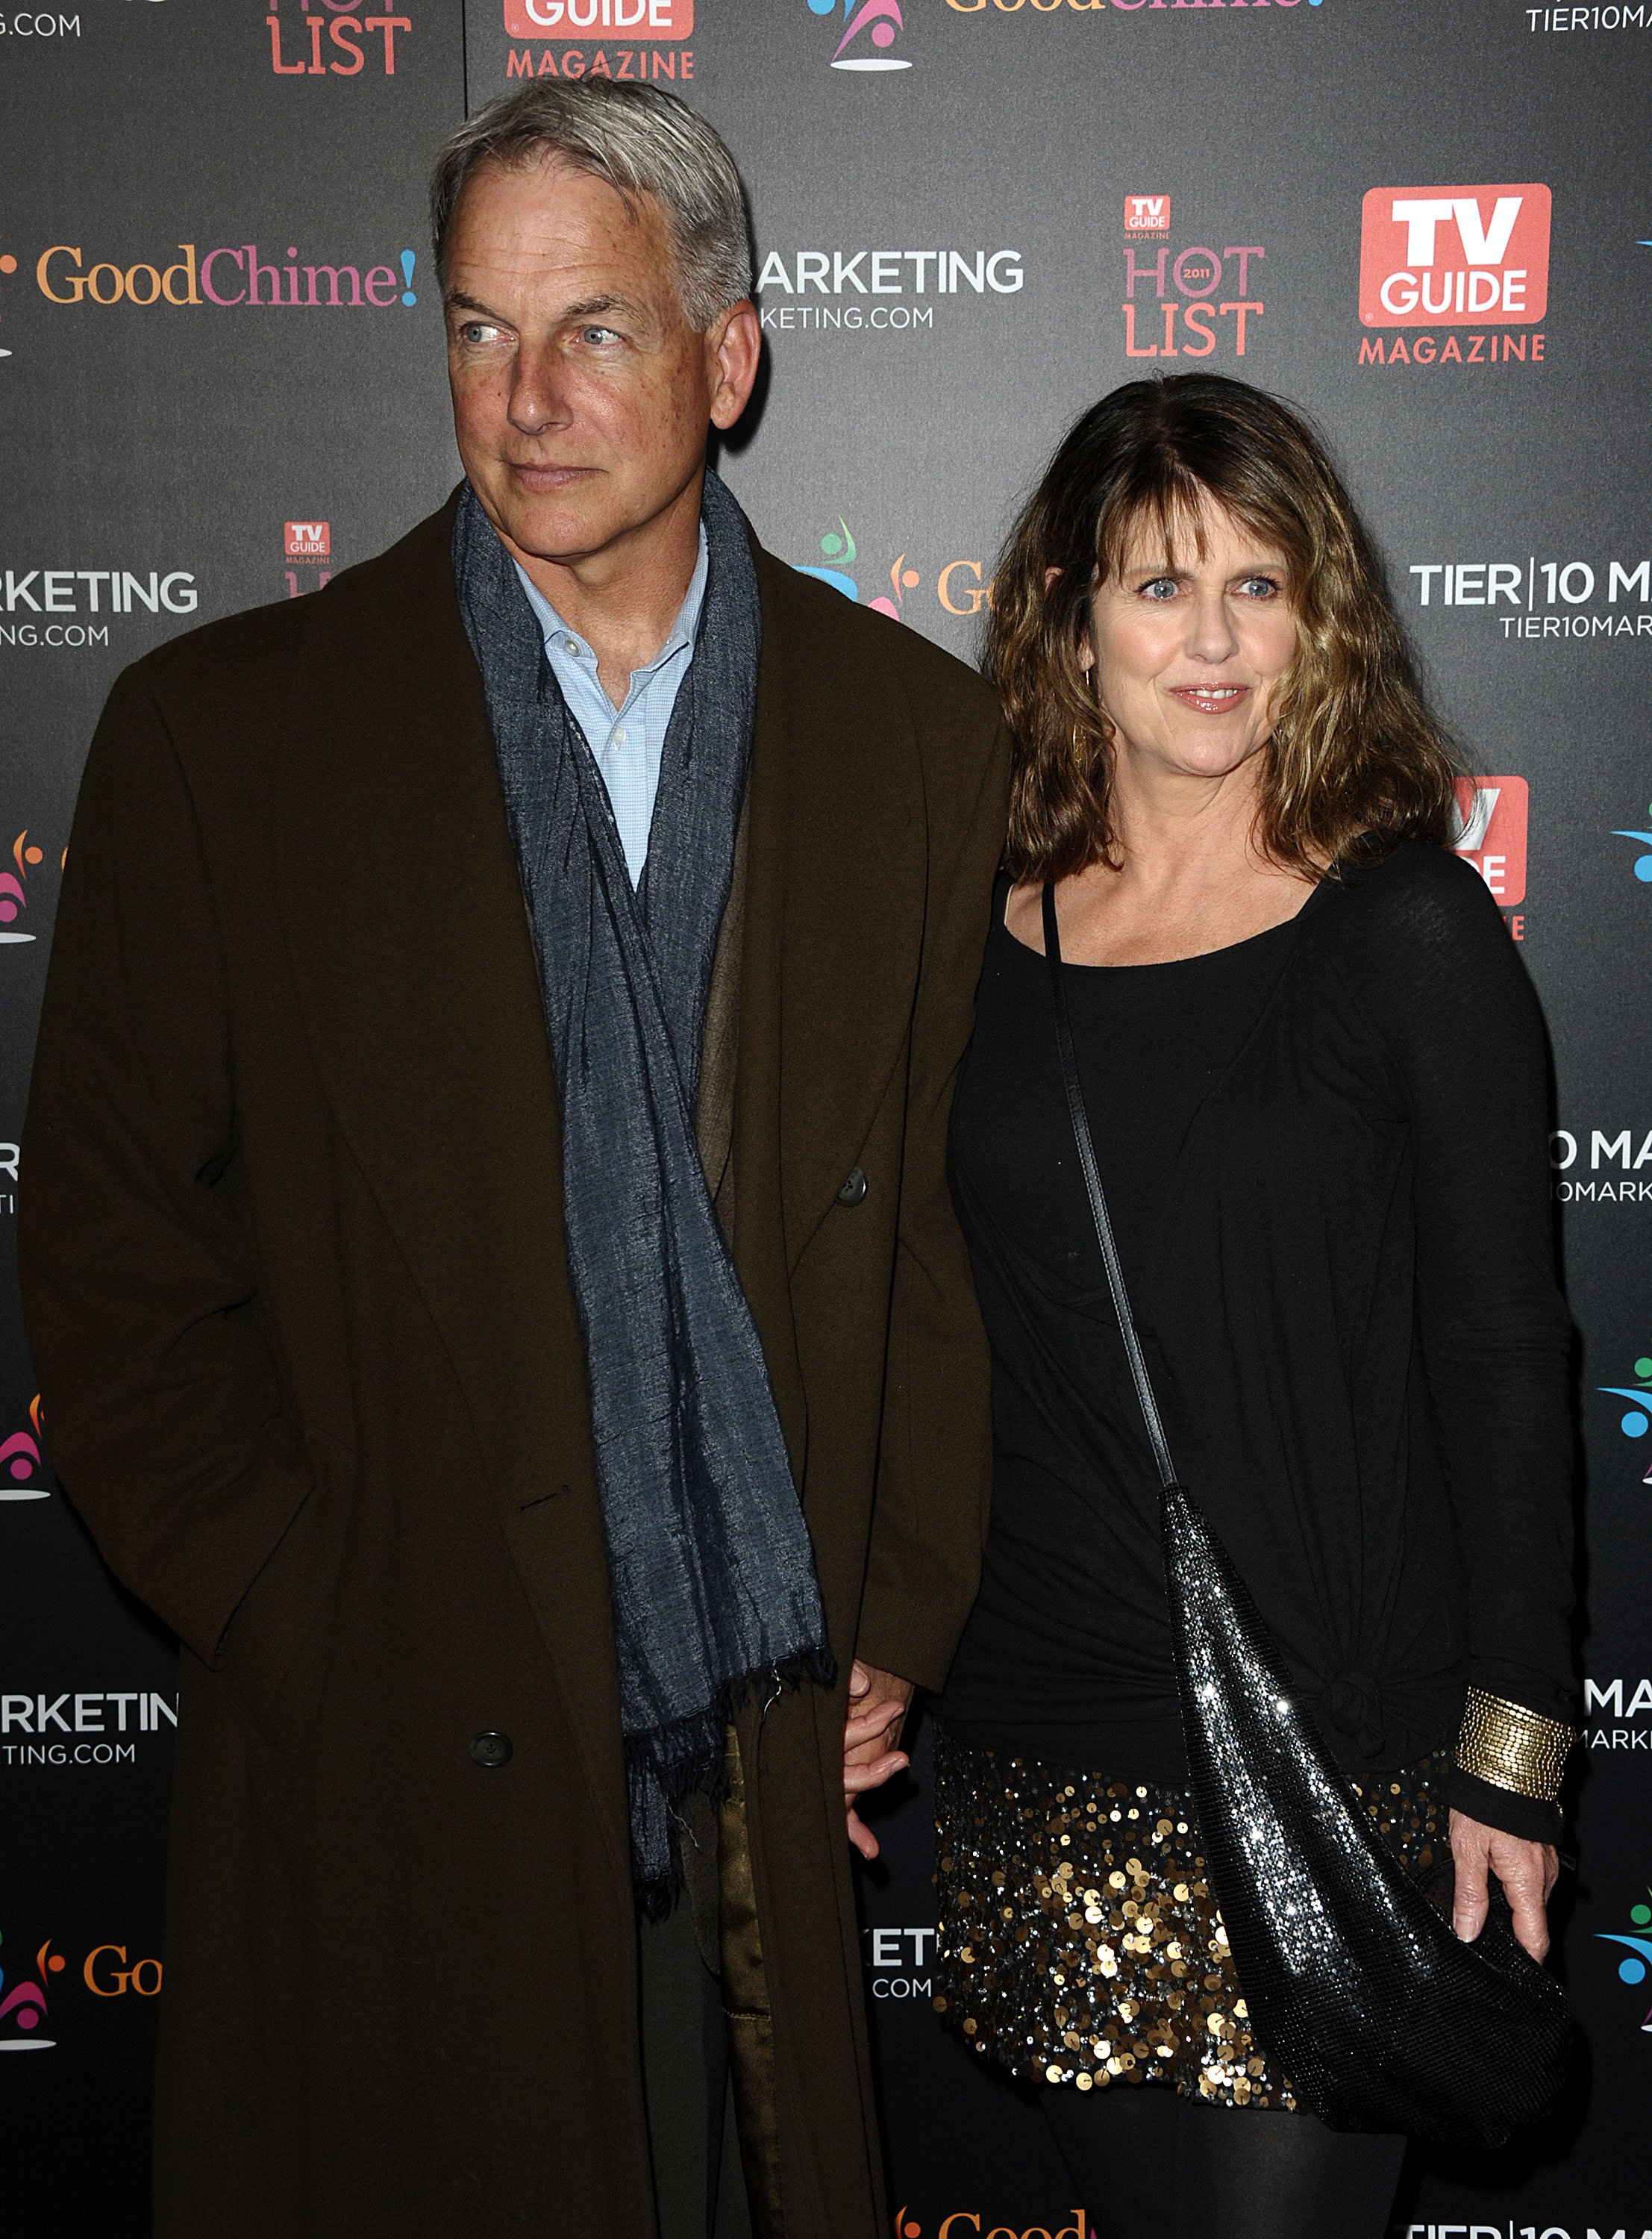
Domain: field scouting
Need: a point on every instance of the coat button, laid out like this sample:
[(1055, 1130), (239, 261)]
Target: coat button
[(490, 1750), (854, 1189)]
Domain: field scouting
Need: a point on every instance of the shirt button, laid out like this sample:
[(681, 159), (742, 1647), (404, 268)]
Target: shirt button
[(854, 1189), (490, 1750), (619, 736), (570, 645)]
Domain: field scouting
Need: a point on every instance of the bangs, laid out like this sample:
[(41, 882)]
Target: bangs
[(1163, 514), (1158, 506)]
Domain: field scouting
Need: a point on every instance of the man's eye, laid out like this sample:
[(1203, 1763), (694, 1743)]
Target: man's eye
[(598, 335), (475, 331)]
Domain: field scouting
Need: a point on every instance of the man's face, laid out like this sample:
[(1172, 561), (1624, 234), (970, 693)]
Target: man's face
[(581, 395)]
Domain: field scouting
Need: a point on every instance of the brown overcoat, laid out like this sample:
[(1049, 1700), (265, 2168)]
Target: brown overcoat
[(296, 1279)]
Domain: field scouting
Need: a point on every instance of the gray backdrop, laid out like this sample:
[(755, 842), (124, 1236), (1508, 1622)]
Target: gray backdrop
[(222, 378)]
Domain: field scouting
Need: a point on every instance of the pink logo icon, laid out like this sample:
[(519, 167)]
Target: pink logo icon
[(13, 899), (881, 21), (20, 1461), (23, 2010), (902, 579)]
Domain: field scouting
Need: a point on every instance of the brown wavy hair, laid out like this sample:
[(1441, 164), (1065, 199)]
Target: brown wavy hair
[(1357, 761)]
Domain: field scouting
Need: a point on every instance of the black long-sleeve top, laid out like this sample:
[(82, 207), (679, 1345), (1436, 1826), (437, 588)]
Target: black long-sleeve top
[(1326, 1152)]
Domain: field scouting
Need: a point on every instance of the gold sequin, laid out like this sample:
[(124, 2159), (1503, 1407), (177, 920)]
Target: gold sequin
[(1099, 1900)]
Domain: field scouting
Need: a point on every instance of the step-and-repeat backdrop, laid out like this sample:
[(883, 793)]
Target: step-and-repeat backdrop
[(221, 379)]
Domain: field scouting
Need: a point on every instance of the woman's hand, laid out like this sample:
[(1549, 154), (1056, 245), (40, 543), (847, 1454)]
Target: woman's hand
[(877, 1703), (1527, 1871)]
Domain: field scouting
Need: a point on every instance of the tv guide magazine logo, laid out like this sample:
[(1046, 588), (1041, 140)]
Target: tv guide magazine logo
[(1454, 255)]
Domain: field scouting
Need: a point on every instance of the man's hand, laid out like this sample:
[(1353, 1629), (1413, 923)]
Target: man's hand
[(878, 1705), (1527, 1871)]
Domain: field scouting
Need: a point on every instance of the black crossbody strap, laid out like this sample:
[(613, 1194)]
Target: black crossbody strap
[(1097, 1200)]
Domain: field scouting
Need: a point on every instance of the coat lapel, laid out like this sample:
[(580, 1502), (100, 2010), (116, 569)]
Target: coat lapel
[(411, 948), (834, 906), (836, 886)]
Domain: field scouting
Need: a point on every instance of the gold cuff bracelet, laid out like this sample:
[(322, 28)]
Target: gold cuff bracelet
[(1513, 1747)]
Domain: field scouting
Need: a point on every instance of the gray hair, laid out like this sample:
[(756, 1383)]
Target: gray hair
[(642, 141)]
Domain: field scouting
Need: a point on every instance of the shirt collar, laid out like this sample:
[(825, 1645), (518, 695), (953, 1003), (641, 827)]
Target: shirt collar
[(681, 638)]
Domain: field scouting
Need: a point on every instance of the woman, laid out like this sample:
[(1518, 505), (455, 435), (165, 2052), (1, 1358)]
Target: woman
[(1316, 1075)]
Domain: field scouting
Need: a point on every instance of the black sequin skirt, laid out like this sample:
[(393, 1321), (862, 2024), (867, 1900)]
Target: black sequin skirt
[(1079, 1941)]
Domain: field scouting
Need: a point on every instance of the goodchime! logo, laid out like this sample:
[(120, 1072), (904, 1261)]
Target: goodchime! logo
[(227, 278), (871, 29), (838, 547), (961, 586)]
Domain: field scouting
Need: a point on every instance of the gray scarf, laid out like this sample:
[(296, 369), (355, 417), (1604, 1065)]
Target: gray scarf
[(709, 1560)]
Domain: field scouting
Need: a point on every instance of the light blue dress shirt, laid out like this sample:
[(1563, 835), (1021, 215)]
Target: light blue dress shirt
[(626, 742)]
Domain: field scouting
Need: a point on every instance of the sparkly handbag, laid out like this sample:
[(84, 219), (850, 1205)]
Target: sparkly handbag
[(1354, 1984)]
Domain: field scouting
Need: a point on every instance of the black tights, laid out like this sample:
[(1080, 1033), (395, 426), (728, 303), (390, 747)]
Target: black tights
[(1149, 2164)]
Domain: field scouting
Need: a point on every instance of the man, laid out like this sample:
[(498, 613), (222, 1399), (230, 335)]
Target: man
[(507, 1343)]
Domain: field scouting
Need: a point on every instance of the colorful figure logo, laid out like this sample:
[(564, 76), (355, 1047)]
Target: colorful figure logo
[(13, 899), (1636, 1963), (23, 2010), (838, 544), (902, 579), (1643, 863), (20, 1462), (881, 21), (1638, 1420)]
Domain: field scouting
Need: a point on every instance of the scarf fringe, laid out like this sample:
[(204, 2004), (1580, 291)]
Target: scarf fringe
[(689, 1756)]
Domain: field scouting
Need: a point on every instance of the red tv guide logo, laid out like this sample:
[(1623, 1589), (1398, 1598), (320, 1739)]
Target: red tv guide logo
[(308, 540), (1454, 256), (599, 19), (1147, 213), (1491, 833)]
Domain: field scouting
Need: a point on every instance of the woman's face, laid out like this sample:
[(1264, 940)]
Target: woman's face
[(1187, 658)]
